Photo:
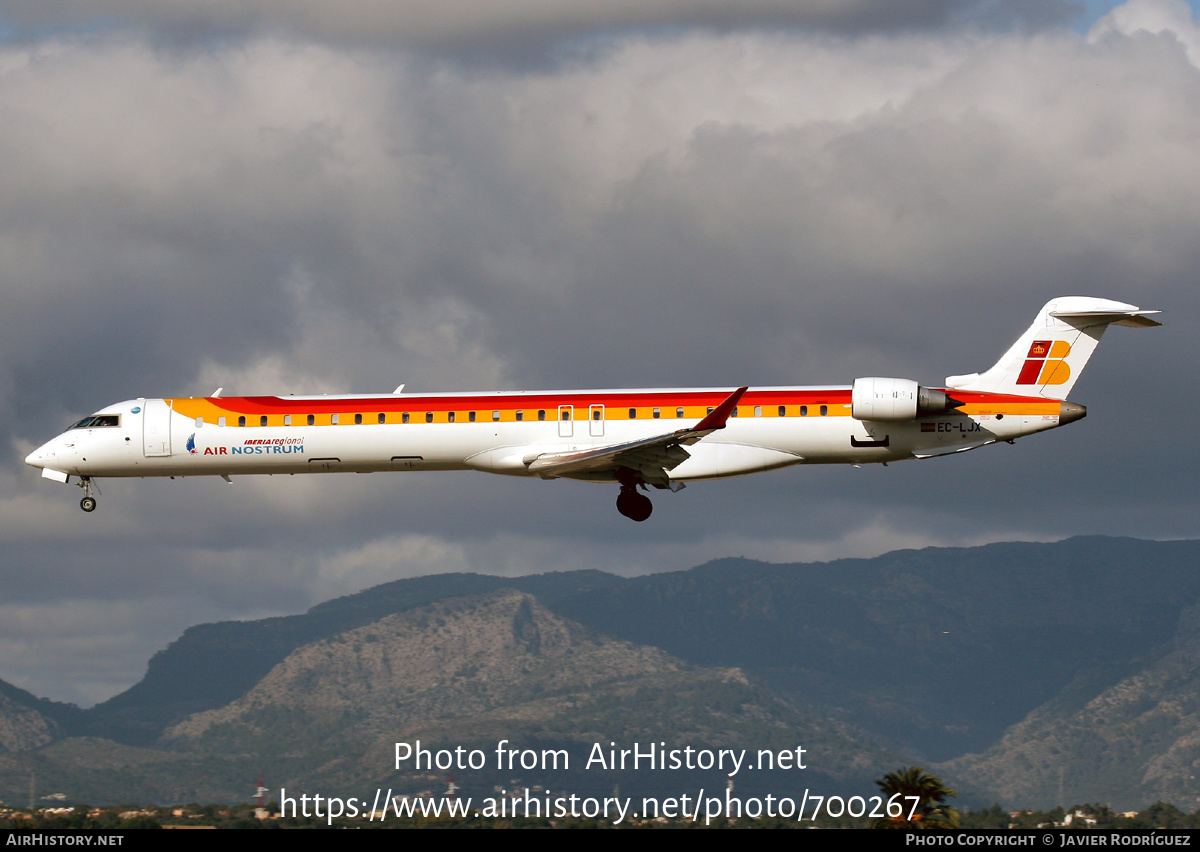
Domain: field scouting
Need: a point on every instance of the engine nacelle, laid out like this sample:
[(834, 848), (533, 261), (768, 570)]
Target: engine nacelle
[(895, 400)]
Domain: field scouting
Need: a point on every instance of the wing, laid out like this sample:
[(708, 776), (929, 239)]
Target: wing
[(649, 460)]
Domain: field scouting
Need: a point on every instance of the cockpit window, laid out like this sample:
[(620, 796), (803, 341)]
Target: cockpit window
[(98, 420)]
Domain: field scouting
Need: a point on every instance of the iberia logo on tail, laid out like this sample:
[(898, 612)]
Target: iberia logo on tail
[(1045, 364)]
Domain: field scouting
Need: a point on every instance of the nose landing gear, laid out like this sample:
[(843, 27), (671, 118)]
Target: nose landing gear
[(633, 505), (88, 503)]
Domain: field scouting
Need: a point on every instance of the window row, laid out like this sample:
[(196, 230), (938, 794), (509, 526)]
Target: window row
[(405, 417), (565, 413)]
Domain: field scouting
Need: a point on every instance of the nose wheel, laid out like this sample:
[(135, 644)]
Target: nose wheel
[(88, 503), (633, 505)]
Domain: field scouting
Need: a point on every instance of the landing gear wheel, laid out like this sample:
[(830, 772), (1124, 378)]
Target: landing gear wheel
[(88, 503), (633, 505)]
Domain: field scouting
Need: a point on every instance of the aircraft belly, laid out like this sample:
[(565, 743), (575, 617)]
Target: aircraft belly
[(945, 435), (927, 436), (713, 459)]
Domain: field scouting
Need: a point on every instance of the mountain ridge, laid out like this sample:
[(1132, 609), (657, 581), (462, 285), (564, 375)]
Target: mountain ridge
[(942, 655)]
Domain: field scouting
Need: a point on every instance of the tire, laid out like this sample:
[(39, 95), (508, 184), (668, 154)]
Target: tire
[(636, 507), (88, 504)]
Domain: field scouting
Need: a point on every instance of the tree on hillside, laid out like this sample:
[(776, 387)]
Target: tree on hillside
[(932, 810)]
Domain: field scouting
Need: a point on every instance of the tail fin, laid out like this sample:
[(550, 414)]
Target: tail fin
[(1050, 355)]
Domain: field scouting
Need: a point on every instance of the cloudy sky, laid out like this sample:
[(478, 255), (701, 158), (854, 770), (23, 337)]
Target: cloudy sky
[(310, 197)]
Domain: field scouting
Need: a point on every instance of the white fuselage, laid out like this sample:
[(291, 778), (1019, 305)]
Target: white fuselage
[(201, 436)]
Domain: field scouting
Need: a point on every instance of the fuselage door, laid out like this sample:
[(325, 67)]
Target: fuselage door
[(566, 421), (156, 428), (596, 421)]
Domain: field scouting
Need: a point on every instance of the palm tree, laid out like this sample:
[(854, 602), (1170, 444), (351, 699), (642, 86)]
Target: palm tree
[(931, 811)]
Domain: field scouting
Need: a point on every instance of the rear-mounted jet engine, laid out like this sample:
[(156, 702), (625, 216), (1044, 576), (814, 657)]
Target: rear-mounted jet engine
[(896, 400)]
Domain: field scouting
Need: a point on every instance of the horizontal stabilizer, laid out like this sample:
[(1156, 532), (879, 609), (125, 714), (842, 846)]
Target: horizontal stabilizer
[(1131, 319)]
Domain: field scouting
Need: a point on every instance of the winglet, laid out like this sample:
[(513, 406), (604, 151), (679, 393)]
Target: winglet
[(720, 414)]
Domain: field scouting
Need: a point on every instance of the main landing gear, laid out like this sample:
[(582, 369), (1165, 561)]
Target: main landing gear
[(633, 505), (88, 503)]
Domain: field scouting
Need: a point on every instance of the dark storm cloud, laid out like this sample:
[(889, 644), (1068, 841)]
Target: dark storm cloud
[(278, 215), (512, 29)]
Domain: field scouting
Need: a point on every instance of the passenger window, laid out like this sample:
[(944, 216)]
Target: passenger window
[(428, 416), (520, 415), (334, 420), (450, 417), (287, 420), (679, 412), (804, 411), (541, 414), (710, 409), (633, 414), (311, 419), (357, 419), (783, 411), (735, 411), (220, 421), (242, 421), (382, 418), (199, 422), (262, 421), (495, 416), (824, 410), (758, 411), (471, 416), (657, 413), (404, 417)]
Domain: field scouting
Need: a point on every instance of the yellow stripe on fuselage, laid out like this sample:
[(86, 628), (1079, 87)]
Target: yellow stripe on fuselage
[(211, 412)]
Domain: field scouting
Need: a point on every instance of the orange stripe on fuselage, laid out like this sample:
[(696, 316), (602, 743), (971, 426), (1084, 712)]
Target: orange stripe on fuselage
[(616, 404), (979, 403)]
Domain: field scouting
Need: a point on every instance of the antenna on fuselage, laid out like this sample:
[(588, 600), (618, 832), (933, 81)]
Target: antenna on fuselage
[(217, 393), (400, 389)]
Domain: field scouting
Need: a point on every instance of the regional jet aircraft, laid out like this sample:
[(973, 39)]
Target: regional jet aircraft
[(635, 438)]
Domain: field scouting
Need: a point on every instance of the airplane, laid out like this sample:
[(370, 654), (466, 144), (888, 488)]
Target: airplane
[(638, 439)]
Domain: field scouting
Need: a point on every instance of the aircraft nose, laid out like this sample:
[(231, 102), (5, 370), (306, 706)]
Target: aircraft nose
[(41, 456)]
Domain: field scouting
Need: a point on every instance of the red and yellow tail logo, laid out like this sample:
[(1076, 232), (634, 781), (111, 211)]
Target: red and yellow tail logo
[(1044, 365)]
